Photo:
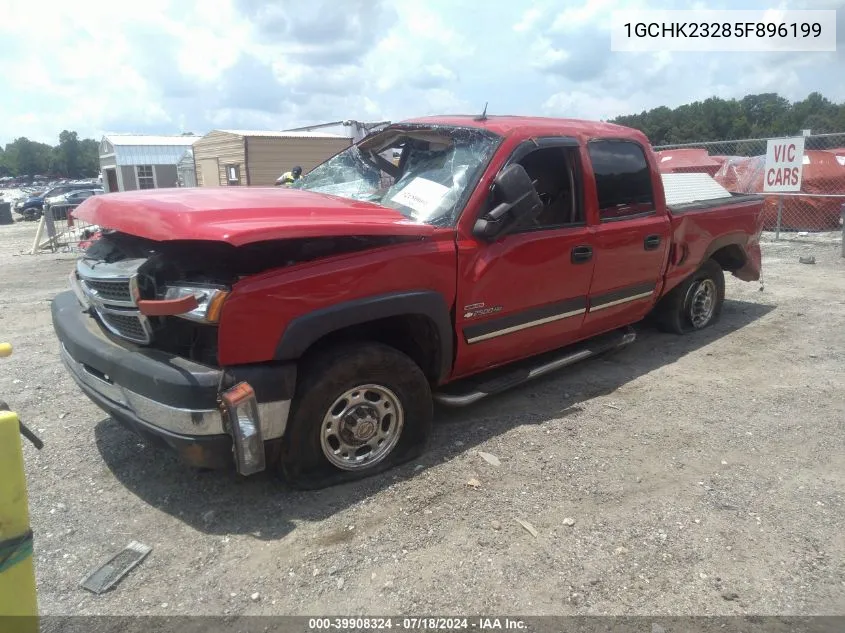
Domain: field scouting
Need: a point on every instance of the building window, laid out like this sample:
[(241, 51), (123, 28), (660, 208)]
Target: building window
[(623, 179), (146, 179), (233, 174)]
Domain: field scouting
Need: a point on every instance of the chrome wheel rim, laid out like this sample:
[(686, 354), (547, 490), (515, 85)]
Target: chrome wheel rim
[(361, 427), (702, 303)]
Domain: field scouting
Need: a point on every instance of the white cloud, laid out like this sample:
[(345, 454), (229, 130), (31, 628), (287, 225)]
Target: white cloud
[(583, 105), (529, 19), (544, 55), (573, 18), (592, 13), (421, 22)]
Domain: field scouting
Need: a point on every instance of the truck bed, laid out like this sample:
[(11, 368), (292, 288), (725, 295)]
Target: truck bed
[(695, 191), (730, 227)]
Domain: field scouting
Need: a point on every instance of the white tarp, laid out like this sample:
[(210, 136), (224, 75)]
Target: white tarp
[(686, 188)]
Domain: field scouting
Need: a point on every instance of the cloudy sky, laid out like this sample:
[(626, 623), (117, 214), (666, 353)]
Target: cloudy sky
[(166, 66)]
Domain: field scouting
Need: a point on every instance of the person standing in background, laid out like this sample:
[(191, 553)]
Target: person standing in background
[(290, 177)]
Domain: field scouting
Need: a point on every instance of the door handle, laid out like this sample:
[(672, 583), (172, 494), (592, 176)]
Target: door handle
[(582, 254), (651, 242)]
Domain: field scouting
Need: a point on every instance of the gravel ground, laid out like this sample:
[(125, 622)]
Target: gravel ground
[(684, 475)]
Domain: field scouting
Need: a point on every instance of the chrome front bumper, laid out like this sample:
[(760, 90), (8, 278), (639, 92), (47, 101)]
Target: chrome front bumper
[(167, 398), (165, 417), (189, 422)]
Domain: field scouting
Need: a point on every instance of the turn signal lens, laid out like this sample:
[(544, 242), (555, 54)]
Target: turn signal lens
[(241, 408), (215, 306)]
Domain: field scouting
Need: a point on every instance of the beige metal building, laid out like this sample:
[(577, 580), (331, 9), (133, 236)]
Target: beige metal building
[(258, 158)]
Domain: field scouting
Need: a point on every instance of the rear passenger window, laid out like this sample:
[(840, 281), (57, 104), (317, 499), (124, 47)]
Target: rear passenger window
[(623, 179)]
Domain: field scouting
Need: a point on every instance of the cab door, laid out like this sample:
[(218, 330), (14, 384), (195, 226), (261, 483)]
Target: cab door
[(631, 235), (526, 293)]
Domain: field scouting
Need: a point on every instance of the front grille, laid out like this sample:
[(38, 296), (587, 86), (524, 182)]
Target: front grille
[(126, 325), (110, 290), (112, 293)]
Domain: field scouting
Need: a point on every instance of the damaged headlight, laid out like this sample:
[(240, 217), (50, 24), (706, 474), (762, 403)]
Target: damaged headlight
[(209, 301)]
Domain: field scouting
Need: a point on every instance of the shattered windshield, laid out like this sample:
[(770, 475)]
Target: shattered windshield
[(425, 173)]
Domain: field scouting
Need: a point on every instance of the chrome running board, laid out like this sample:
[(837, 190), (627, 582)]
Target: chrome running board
[(471, 390)]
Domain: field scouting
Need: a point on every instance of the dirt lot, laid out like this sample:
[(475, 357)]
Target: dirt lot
[(704, 474)]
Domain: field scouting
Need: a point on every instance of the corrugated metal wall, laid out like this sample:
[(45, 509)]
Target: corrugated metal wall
[(149, 154), (227, 148), (127, 172), (270, 157)]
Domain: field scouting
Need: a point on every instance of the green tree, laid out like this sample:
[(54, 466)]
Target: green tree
[(768, 114), (89, 158), (5, 169), (71, 158), (753, 116), (67, 153), (27, 158)]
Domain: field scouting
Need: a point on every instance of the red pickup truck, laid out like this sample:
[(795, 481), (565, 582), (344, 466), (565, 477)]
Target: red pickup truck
[(310, 329)]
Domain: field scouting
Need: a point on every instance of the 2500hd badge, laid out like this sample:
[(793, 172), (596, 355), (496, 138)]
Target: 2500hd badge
[(479, 309)]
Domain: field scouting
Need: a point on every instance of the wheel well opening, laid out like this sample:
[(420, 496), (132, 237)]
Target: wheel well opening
[(730, 257), (412, 334)]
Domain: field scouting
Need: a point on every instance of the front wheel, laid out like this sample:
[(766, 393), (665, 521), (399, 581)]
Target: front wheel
[(359, 410), (694, 304)]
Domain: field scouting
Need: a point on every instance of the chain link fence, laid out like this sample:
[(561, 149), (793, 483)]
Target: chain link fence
[(814, 213)]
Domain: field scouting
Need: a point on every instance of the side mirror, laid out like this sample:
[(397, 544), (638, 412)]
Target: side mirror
[(519, 202)]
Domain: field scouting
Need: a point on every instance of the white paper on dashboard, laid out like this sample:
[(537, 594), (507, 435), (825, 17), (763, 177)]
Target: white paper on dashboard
[(421, 195)]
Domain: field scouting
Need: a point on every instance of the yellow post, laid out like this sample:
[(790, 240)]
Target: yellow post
[(17, 573)]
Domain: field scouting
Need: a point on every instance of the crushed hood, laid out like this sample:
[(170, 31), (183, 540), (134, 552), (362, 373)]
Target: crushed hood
[(241, 216)]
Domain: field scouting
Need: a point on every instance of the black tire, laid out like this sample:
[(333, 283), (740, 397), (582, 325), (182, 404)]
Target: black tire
[(677, 311), (323, 379)]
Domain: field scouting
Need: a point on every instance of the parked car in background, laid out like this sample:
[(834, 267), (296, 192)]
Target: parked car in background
[(30, 199), (61, 203), (32, 207), (73, 197)]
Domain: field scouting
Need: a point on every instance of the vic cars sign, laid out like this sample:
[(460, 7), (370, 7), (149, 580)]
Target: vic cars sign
[(784, 160)]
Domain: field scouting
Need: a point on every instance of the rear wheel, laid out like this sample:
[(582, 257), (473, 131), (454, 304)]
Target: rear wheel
[(359, 410), (694, 304)]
